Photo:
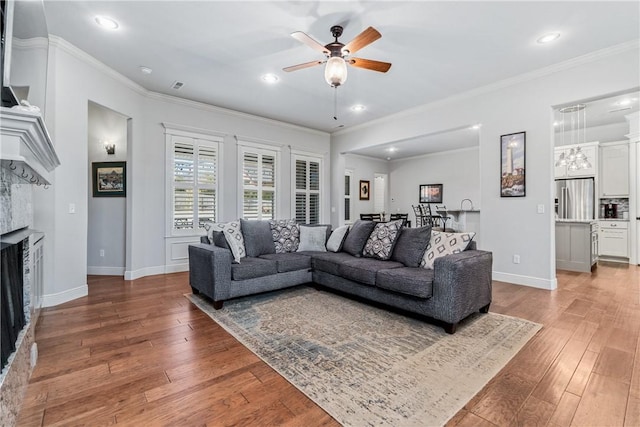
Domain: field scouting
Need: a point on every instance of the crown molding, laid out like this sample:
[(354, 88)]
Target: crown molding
[(633, 45), (102, 67)]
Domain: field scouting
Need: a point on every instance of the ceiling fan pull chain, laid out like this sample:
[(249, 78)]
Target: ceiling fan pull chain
[(335, 103)]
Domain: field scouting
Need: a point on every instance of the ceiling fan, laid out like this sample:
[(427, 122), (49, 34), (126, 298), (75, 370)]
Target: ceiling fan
[(338, 55)]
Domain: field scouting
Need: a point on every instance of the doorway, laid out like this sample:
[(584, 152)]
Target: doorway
[(107, 138)]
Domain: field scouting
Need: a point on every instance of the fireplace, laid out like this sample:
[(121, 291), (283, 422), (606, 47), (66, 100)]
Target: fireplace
[(12, 293)]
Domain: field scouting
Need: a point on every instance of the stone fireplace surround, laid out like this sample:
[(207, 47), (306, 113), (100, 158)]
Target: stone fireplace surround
[(27, 156)]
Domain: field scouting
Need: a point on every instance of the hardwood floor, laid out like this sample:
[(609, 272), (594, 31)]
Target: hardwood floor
[(138, 353)]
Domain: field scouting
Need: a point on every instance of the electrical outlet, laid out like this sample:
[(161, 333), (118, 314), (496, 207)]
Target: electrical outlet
[(516, 259), (101, 252), (72, 208)]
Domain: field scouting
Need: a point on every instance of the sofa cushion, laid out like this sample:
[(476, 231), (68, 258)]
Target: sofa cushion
[(327, 228), (251, 268), (411, 245), (382, 240), (257, 237), (312, 238), (289, 261), (285, 234), (414, 281), (442, 244), (329, 262), (334, 244), (363, 270), (357, 237)]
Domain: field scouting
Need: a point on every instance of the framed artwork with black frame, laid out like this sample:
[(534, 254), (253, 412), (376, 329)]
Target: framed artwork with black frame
[(512, 165), (109, 179), (430, 193), (365, 189)]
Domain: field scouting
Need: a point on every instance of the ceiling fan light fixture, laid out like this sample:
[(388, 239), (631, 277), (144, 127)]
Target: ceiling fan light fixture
[(335, 73)]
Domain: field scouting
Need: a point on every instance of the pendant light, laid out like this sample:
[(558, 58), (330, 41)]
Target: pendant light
[(575, 159)]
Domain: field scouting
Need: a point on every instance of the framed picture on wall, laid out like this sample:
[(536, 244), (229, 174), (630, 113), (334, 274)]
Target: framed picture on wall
[(365, 190), (109, 179), (430, 193), (512, 165)]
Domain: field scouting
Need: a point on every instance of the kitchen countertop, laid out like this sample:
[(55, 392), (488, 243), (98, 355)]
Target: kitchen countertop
[(613, 219), (577, 221)]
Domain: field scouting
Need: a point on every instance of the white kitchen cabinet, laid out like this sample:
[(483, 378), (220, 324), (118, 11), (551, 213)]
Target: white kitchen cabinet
[(614, 239), (614, 170), (590, 150)]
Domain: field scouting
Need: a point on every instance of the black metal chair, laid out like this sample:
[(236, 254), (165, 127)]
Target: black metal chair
[(417, 210), (371, 217), (403, 216), (444, 217), (428, 218)]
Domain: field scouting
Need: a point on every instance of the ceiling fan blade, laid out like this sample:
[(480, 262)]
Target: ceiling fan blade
[(304, 38), (366, 37), (370, 64), (301, 66)]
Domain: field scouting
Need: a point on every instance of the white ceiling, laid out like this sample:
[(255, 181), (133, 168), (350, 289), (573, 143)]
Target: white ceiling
[(220, 49)]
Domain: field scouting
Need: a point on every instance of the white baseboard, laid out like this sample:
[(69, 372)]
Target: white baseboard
[(70, 294), (143, 272), (534, 282), (175, 268), (106, 271)]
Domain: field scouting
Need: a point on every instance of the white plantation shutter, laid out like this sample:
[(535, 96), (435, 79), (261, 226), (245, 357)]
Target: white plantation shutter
[(307, 191), (194, 185), (347, 195), (258, 182)]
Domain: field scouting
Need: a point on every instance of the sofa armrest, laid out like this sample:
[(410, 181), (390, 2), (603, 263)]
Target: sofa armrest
[(210, 270), (463, 280)]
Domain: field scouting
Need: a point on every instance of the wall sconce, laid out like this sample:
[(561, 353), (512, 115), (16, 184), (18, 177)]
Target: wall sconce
[(110, 147)]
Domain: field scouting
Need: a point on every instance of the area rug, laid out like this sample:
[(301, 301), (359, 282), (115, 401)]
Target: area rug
[(367, 366)]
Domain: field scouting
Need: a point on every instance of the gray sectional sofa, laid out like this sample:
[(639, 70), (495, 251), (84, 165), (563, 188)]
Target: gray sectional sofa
[(459, 284)]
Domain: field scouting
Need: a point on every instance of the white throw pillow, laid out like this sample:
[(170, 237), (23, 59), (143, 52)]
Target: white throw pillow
[(312, 239), (442, 244), (337, 238), (232, 233)]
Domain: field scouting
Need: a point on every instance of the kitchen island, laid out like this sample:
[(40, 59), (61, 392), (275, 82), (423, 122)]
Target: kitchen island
[(576, 244)]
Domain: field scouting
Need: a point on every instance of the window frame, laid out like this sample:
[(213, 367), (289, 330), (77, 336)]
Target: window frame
[(198, 138), (260, 148), (308, 157), (348, 198)]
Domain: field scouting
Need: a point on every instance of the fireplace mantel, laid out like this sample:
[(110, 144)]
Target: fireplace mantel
[(26, 147)]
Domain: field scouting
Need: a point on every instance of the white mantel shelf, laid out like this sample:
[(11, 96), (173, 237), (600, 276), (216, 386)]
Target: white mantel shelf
[(26, 147)]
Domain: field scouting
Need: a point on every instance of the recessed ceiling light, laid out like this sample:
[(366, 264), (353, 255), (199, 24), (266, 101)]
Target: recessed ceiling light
[(476, 126), (270, 78), (624, 102), (358, 107), (106, 22), (548, 38), (388, 158), (392, 149), (145, 70)]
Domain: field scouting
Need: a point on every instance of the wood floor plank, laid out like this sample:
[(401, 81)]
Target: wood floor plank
[(139, 353)]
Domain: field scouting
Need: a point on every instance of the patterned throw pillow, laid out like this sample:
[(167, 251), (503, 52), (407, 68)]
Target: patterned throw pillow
[(286, 235), (442, 244), (382, 240), (232, 233)]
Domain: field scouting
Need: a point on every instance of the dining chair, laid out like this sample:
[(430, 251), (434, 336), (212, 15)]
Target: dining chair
[(403, 216), (371, 217), (417, 210)]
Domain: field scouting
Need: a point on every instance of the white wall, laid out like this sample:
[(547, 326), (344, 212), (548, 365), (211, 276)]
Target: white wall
[(364, 168), (508, 225), (107, 215), (74, 79), (458, 171)]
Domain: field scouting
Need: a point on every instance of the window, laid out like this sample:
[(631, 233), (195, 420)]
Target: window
[(347, 195), (307, 191), (193, 188), (258, 182)]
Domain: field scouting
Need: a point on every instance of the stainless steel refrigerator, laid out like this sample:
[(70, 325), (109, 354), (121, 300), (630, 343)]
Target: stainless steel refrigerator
[(575, 198)]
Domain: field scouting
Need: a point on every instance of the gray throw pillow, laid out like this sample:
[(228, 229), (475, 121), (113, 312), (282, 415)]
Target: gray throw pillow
[(312, 239), (334, 244), (257, 237), (411, 245), (219, 239), (357, 237)]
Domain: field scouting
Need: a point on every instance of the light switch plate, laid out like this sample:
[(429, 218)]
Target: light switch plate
[(540, 209), (72, 208)]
